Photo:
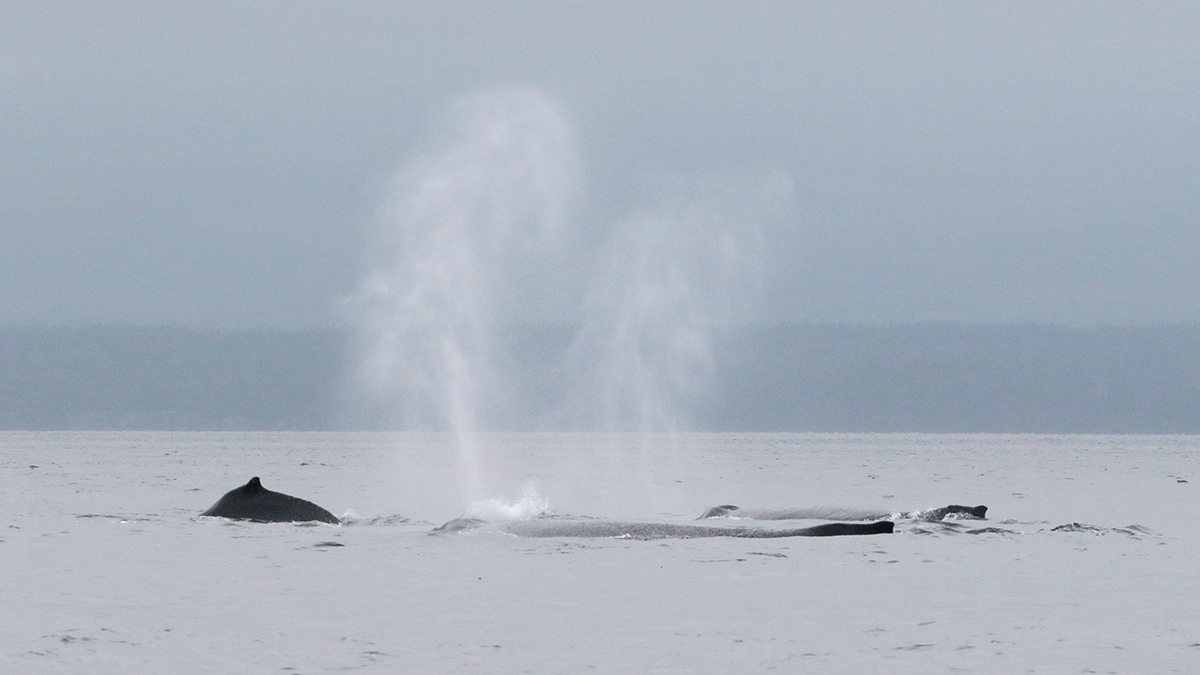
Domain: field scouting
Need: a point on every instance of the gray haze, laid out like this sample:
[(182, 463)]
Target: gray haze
[(223, 164)]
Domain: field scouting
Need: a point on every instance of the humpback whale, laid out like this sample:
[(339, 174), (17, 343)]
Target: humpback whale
[(254, 502), (554, 527), (938, 514)]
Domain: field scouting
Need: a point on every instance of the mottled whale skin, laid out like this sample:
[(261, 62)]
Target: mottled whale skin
[(826, 513), (254, 502), (553, 527)]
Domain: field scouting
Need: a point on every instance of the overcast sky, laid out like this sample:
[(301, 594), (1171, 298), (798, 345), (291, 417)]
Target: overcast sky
[(222, 164)]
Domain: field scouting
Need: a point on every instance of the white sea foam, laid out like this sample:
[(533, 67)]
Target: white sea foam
[(530, 505)]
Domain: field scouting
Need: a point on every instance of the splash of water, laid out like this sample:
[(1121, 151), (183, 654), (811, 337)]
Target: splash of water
[(460, 218), (530, 505)]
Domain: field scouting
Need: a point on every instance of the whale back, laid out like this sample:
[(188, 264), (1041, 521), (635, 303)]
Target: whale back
[(554, 527), (254, 502), (849, 529), (970, 512)]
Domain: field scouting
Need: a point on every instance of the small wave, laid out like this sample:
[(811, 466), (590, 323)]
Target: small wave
[(943, 527), (1079, 527), (731, 512), (990, 530), (1135, 531), (352, 518), (951, 512), (117, 518), (931, 528)]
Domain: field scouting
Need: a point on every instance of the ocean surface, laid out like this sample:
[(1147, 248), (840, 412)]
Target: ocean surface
[(1087, 563)]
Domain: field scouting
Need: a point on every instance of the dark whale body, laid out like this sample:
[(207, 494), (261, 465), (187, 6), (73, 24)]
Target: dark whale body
[(810, 513), (254, 502), (973, 512), (553, 527)]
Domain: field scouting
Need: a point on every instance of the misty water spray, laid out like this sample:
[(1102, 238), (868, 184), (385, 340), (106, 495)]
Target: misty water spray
[(671, 276), (472, 234), (478, 205)]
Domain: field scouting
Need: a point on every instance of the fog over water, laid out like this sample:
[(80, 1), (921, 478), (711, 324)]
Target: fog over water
[(222, 165)]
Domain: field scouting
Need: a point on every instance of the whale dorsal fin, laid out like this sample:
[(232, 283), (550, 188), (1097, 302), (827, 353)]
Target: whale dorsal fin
[(254, 485)]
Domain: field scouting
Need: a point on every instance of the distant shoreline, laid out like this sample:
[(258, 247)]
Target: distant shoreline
[(925, 377)]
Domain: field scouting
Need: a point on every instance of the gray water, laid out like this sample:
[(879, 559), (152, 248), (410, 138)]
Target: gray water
[(1086, 564)]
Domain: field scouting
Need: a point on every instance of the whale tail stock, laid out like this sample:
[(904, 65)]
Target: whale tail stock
[(979, 512), (972, 512), (847, 529)]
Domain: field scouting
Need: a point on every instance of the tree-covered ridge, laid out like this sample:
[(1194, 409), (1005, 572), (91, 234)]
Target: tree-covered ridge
[(800, 377)]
